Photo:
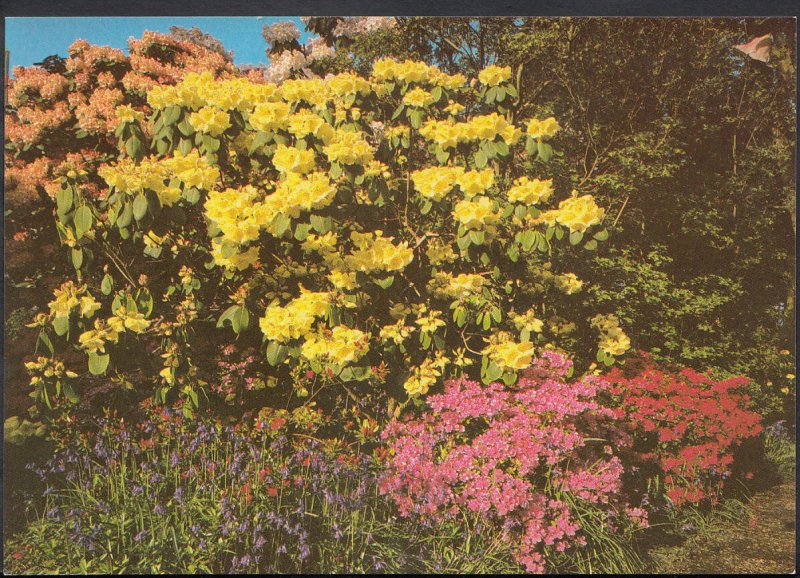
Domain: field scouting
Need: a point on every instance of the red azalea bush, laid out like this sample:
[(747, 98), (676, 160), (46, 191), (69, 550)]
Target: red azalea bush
[(686, 422), (523, 458)]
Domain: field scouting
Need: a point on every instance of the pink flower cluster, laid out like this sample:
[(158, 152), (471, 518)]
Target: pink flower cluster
[(510, 455)]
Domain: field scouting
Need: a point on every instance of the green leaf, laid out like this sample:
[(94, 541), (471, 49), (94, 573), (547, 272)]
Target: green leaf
[(281, 223), (301, 231), (601, 235), (276, 353), (528, 238), (125, 216), (64, 199), (480, 159), (83, 220), (192, 195), (575, 237), (69, 393), (133, 147), (385, 283), (98, 363), (107, 284), (531, 148), (477, 237), (171, 114), (463, 242), (45, 340), (321, 224), (139, 206), (559, 232), (590, 245), (77, 258), (545, 151), (493, 372), (186, 127), (513, 252)]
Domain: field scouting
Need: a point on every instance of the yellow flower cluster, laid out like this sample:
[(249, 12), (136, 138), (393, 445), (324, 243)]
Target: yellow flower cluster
[(47, 367), (439, 252), (342, 280), (377, 253), (511, 355), (431, 322), (69, 297), (295, 194), (542, 129), (126, 113), (296, 319), (293, 160), (398, 332), (306, 123), (210, 120), (436, 182), (453, 108), (474, 183), (530, 191), (153, 174), (445, 285), (95, 340), (568, 283), (340, 346), (325, 244), (417, 97), (270, 116), (239, 260), (348, 84), (422, 378), (236, 213), (476, 213), (579, 213), (526, 321), (348, 148), (410, 71), (612, 339), (448, 134), (314, 91), (493, 75), (196, 91)]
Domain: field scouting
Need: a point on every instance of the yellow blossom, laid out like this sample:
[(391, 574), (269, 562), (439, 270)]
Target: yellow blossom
[(493, 75)]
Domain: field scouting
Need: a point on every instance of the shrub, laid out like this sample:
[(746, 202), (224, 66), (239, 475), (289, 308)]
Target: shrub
[(382, 229), (523, 459), (686, 422)]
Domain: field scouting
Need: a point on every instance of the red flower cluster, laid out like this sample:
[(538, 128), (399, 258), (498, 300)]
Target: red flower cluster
[(687, 422)]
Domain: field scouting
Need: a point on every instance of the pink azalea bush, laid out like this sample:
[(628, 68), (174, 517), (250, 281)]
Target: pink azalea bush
[(521, 458)]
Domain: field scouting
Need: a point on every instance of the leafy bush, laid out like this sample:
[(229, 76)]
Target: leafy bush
[(687, 422), (525, 460), (377, 227)]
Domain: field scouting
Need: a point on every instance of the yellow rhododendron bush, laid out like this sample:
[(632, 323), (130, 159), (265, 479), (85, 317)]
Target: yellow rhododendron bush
[(364, 235)]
